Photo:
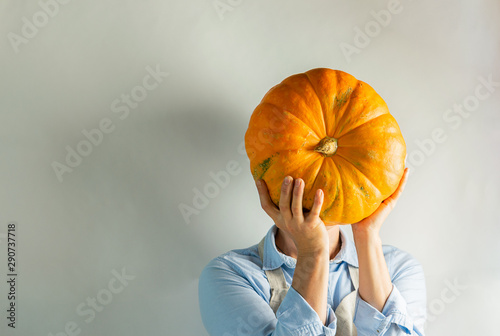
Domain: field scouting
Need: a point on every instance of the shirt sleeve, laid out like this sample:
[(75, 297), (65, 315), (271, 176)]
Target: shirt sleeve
[(404, 312), (231, 306)]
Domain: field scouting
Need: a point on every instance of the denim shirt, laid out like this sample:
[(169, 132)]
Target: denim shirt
[(234, 295)]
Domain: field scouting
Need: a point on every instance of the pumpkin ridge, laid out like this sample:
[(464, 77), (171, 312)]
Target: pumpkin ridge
[(345, 111), (339, 188), (321, 124), (286, 113), (363, 124), (282, 113), (362, 173), (309, 154), (347, 208), (319, 170), (325, 95), (337, 193), (319, 101)]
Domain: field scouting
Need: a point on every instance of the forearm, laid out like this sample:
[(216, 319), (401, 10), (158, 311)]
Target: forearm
[(374, 280), (310, 280)]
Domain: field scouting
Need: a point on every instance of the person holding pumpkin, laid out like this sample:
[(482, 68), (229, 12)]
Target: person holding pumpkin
[(306, 277)]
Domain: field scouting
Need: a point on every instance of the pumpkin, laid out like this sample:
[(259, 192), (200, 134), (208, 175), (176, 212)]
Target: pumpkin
[(336, 133)]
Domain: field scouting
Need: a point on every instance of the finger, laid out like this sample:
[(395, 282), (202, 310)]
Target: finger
[(402, 183), (298, 194), (265, 200), (382, 212), (318, 203), (286, 197), (389, 203)]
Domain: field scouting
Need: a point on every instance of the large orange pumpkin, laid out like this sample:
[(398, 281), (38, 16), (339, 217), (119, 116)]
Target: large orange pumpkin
[(336, 133)]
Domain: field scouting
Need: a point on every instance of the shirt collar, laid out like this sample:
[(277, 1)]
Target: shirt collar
[(274, 259)]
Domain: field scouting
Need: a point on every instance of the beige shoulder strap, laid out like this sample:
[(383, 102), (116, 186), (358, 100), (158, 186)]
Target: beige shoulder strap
[(347, 307), (277, 281)]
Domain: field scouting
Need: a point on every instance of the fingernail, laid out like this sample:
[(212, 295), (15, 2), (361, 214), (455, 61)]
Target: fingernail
[(288, 179), (297, 182)]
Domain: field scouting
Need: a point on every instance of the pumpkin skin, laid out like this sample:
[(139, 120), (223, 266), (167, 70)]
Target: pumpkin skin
[(334, 132)]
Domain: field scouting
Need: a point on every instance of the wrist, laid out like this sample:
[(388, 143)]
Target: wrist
[(312, 247), (313, 252), (366, 236)]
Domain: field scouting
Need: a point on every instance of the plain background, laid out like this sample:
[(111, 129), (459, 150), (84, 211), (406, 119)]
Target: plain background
[(119, 208)]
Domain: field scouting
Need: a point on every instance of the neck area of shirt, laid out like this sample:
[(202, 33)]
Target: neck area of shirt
[(274, 259)]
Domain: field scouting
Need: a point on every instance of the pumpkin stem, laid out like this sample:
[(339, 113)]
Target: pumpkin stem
[(327, 146)]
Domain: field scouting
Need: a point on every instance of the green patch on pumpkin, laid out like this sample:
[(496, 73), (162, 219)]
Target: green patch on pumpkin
[(364, 191), (263, 167), (342, 99), (333, 203)]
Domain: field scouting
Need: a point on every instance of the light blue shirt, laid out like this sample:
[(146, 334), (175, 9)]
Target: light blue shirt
[(234, 295)]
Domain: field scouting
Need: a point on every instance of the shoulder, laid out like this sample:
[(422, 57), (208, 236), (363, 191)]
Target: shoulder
[(232, 274), (401, 263), (240, 263)]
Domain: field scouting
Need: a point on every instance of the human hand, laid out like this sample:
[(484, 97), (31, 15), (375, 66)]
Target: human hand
[(371, 225), (307, 230)]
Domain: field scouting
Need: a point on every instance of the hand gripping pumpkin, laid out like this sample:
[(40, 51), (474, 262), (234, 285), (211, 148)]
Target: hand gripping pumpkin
[(336, 133)]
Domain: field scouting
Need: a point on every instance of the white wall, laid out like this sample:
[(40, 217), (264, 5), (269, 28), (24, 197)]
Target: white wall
[(119, 207)]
